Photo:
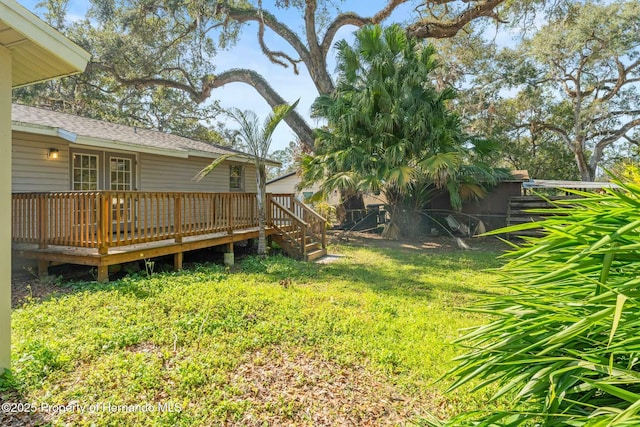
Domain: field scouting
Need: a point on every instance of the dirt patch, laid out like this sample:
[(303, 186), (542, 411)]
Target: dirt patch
[(19, 413), (420, 243), (287, 388), (25, 287)]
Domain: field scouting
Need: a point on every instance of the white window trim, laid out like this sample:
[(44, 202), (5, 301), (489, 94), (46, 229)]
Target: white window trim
[(81, 153), (132, 164)]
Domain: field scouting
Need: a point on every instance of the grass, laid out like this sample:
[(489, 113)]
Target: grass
[(270, 341)]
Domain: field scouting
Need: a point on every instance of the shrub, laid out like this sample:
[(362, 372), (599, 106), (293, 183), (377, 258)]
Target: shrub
[(565, 343)]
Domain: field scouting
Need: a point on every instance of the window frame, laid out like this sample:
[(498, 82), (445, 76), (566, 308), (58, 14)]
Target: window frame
[(104, 167), (73, 169), (131, 171), (240, 178)]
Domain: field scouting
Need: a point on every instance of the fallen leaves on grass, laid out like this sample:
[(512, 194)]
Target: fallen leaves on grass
[(289, 388)]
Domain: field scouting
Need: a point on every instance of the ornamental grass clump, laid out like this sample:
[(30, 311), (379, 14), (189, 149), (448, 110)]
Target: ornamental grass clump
[(564, 347)]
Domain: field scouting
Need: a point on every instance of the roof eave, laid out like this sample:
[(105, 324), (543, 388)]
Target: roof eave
[(276, 179), (68, 55), (241, 158), (73, 138)]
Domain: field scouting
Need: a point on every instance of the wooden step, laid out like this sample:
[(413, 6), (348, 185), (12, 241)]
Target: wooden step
[(318, 253), (312, 246), (515, 212), (531, 205)]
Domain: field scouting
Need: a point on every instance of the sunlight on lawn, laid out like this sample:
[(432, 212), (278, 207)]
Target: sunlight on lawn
[(360, 340)]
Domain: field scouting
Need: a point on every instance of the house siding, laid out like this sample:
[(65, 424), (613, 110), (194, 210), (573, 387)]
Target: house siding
[(284, 185), (31, 170), (159, 173)]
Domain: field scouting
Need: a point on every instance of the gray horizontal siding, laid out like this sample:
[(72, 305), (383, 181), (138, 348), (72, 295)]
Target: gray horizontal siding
[(31, 170), (159, 173)]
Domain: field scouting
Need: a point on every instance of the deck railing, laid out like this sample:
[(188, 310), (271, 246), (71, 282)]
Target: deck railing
[(316, 225), (106, 219)]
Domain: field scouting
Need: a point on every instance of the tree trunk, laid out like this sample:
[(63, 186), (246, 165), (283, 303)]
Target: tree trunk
[(320, 75), (392, 228), (586, 173), (261, 195), (293, 119)]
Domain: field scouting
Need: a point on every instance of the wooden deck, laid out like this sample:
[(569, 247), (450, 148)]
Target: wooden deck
[(106, 228)]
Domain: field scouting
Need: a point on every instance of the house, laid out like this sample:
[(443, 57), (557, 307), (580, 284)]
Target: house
[(30, 52), (55, 151), (96, 193), (288, 183)]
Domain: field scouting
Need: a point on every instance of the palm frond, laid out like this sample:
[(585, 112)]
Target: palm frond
[(279, 113), (401, 176), (564, 342), (209, 168), (441, 167)]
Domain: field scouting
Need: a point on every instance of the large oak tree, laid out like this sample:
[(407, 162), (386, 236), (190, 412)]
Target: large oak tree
[(150, 43), (582, 74)]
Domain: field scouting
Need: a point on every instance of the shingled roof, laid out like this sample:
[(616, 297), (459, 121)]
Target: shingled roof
[(85, 131)]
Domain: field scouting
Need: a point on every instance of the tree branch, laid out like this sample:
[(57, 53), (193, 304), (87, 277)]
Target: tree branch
[(357, 21), (429, 28), (548, 126), (310, 26), (252, 78), (615, 135), (273, 55), (261, 16), (197, 95), (621, 80)]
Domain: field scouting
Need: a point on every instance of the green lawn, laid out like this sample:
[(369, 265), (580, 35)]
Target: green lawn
[(269, 342)]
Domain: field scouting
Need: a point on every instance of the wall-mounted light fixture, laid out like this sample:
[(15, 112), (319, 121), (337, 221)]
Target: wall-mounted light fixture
[(53, 153)]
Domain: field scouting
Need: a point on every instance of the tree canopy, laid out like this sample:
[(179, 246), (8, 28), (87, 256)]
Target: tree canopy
[(143, 44), (573, 82), (389, 129)]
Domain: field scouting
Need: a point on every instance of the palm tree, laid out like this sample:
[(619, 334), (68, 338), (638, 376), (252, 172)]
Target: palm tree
[(258, 138), (389, 129)]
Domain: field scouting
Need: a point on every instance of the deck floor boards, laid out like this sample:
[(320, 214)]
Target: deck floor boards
[(133, 252)]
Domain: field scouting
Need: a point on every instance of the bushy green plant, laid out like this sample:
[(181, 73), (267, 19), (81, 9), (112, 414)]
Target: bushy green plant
[(565, 343)]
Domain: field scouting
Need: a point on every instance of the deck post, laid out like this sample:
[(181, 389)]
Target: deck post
[(103, 225), (229, 256), (304, 242), (43, 223), (267, 209), (177, 261), (229, 215), (103, 273), (43, 268), (177, 216)]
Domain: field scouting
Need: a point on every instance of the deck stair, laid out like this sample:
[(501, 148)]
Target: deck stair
[(300, 231)]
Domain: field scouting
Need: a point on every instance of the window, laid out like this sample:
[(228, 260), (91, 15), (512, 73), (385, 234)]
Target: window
[(235, 178), (85, 172), (121, 175), (306, 195)]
